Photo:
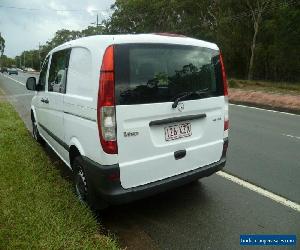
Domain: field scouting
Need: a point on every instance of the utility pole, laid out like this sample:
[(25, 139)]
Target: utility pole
[(97, 22), (40, 55), (24, 60)]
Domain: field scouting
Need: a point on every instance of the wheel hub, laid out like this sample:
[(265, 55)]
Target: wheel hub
[(81, 186)]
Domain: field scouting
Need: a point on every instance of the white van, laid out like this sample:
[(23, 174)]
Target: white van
[(133, 115)]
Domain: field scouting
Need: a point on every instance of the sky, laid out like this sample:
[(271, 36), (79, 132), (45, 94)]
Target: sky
[(25, 24)]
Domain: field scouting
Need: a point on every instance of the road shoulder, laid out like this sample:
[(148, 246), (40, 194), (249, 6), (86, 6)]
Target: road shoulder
[(272, 101)]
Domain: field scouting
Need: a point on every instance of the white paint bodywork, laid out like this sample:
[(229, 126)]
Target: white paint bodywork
[(148, 157), (144, 158)]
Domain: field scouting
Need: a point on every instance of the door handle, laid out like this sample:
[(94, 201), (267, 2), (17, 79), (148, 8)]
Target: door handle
[(45, 100)]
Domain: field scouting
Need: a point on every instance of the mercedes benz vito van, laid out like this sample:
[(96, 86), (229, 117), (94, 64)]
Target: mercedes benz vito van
[(133, 115)]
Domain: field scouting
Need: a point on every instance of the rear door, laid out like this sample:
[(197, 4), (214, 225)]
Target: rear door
[(169, 110)]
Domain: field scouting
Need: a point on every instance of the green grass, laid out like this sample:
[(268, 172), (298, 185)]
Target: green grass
[(275, 87), (37, 207)]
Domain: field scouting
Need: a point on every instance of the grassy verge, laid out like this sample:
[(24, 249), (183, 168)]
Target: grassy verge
[(269, 87), (37, 207)]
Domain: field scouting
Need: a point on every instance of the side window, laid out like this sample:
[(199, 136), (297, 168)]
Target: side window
[(58, 71), (42, 79)]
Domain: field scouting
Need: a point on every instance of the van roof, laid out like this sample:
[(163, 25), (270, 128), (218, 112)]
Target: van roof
[(139, 38)]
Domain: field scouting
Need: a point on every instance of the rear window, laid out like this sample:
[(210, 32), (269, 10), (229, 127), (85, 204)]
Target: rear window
[(152, 73)]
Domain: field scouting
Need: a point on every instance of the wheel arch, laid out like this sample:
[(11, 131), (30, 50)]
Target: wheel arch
[(32, 113), (75, 149)]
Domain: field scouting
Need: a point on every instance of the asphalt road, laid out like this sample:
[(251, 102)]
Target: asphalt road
[(211, 214), (18, 95)]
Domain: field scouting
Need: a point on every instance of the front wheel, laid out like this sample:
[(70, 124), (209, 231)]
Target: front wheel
[(35, 132)]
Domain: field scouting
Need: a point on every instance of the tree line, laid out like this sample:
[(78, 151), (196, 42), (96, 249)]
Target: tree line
[(259, 39)]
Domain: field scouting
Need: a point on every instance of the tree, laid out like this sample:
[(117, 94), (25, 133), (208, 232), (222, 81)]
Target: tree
[(257, 9), (92, 30), (235, 25), (258, 38), (7, 61), (62, 36), (2, 46)]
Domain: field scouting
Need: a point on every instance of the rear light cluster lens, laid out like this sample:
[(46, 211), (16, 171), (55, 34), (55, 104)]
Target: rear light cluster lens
[(225, 84), (107, 88), (108, 123), (226, 125), (106, 104)]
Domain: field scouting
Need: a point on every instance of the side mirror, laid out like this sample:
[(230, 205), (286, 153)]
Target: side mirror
[(31, 83)]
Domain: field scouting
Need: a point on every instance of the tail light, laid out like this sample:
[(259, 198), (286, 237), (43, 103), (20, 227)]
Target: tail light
[(226, 125), (106, 112), (225, 86)]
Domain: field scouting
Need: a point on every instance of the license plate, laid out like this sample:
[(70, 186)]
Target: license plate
[(178, 131)]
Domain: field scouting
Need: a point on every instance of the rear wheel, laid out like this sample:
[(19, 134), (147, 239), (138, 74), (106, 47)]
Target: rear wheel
[(80, 182), (82, 189)]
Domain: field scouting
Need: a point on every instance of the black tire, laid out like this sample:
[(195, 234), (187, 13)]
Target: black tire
[(35, 133), (82, 187), (80, 181)]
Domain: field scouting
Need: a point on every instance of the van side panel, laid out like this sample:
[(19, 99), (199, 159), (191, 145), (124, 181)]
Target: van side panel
[(80, 112)]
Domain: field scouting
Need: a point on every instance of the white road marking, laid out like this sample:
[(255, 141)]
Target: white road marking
[(14, 80), (292, 136), (269, 110), (261, 191)]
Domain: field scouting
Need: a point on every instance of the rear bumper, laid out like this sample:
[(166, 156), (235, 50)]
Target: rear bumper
[(105, 183)]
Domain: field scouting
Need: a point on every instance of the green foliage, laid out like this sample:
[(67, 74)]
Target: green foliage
[(279, 47), (2, 45), (7, 62), (33, 58), (232, 83), (92, 30), (28, 59), (226, 22), (38, 209), (266, 86), (142, 16)]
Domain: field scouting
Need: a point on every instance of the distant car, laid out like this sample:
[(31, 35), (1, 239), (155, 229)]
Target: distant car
[(3, 70), (12, 71)]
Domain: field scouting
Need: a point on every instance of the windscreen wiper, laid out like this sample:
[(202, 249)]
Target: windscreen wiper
[(187, 94)]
